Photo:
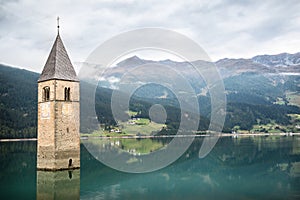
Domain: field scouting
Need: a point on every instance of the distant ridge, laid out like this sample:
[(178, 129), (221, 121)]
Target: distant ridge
[(259, 90)]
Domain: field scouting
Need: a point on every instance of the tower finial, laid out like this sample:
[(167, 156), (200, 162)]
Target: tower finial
[(58, 24)]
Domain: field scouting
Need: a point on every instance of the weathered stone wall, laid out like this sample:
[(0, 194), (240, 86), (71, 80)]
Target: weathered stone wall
[(58, 132), (67, 142), (46, 127)]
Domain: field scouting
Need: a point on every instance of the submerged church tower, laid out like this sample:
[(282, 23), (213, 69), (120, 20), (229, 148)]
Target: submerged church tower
[(58, 112)]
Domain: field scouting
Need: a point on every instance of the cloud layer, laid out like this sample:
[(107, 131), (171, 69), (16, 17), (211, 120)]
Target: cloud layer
[(224, 28)]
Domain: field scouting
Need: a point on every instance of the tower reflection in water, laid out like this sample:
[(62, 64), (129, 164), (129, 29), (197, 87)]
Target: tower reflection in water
[(58, 185)]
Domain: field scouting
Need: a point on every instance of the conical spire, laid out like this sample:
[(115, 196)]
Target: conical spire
[(58, 65)]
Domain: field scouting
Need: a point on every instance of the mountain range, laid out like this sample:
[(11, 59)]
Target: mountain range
[(261, 92), (278, 65)]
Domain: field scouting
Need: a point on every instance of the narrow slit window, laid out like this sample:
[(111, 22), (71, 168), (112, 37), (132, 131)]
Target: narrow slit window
[(67, 94), (46, 93)]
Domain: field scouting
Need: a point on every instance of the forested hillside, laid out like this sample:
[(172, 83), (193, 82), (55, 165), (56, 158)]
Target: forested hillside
[(254, 103), (18, 102)]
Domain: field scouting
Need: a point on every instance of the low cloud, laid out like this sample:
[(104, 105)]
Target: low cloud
[(223, 28)]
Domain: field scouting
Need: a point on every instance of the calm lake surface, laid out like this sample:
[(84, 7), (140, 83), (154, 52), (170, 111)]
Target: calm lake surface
[(260, 167)]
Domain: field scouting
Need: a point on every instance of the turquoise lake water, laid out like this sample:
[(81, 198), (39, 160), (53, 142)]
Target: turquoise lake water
[(260, 167)]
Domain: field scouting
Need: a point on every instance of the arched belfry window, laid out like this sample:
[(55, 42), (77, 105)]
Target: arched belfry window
[(46, 93), (67, 94)]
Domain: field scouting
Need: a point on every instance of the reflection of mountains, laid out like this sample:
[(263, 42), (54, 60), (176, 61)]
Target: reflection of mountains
[(268, 167), (130, 145), (233, 167)]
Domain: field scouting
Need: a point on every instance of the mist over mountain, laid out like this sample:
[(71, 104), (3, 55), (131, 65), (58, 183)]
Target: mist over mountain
[(280, 60), (280, 64), (263, 89), (267, 64), (279, 70)]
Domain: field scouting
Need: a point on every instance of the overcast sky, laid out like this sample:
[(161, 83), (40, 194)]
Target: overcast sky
[(224, 28)]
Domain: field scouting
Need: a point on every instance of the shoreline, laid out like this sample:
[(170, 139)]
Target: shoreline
[(207, 135), (18, 139), (165, 136)]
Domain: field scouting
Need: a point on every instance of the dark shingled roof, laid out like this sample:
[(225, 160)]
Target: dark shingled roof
[(58, 65)]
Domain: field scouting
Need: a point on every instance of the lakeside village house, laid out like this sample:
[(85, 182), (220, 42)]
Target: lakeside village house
[(58, 112)]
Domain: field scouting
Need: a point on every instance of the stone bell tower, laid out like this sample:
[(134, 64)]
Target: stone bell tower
[(58, 112)]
